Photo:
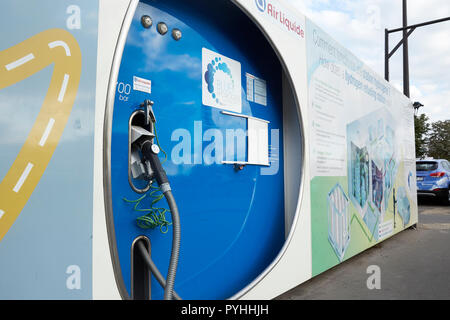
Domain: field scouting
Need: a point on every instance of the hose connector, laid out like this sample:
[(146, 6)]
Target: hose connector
[(165, 187)]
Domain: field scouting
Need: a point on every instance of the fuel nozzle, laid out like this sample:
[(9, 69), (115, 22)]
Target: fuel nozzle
[(150, 152), (144, 139)]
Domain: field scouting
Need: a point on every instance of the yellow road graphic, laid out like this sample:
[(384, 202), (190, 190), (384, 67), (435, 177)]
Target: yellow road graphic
[(58, 47)]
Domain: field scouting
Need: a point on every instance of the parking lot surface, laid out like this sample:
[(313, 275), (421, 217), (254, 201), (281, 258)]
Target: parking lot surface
[(414, 264)]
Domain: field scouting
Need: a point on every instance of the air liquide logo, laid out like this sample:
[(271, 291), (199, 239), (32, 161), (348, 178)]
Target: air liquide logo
[(221, 82), (282, 17), (261, 5)]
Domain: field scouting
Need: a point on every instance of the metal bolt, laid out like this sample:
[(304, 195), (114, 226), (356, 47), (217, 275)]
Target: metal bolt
[(162, 28), (176, 34), (146, 21)]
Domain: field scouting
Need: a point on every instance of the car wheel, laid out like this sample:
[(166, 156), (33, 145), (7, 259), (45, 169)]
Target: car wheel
[(446, 197)]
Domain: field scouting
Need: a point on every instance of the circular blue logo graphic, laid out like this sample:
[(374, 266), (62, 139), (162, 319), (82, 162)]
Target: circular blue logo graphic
[(215, 66), (261, 5)]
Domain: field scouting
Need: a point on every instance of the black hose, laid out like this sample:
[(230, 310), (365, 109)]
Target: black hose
[(163, 182), (171, 274), (153, 268)]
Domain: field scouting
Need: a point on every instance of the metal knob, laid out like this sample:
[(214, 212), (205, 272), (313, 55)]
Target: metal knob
[(146, 21), (176, 34), (162, 28)]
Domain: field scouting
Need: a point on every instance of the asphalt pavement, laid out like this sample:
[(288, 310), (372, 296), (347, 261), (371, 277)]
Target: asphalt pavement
[(415, 264)]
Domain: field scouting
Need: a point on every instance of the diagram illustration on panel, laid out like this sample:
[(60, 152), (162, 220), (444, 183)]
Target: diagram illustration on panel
[(372, 166)]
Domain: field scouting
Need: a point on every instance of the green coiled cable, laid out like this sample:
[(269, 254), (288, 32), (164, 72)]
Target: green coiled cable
[(155, 217)]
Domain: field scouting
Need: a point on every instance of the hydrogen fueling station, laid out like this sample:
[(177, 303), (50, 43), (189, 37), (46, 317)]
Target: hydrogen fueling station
[(190, 150)]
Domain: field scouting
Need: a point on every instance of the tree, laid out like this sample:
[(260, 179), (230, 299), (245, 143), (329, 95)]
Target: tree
[(439, 140), (422, 128)]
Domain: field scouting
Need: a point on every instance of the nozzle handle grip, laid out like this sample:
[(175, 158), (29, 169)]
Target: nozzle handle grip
[(160, 173)]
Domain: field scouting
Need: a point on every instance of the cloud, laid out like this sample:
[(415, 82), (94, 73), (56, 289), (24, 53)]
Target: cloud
[(359, 26), (18, 114), (159, 58)]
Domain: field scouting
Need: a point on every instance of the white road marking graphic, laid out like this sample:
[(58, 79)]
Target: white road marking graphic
[(1, 213), (19, 62), (23, 178), (47, 132), (55, 44), (62, 93)]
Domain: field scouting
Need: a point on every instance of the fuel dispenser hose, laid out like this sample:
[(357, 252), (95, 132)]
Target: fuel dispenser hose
[(170, 282), (156, 273), (149, 153)]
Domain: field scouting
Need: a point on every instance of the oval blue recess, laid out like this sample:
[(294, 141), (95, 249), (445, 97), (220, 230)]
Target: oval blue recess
[(232, 221)]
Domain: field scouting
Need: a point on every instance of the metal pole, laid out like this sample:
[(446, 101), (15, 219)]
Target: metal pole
[(405, 51), (419, 25), (386, 54)]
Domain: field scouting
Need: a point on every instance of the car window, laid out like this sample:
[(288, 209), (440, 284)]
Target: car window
[(426, 166), (446, 165)]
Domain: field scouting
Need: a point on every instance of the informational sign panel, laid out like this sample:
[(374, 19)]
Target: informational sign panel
[(361, 154), (47, 107)]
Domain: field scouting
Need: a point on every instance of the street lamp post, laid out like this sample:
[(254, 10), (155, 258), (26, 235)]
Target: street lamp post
[(407, 31), (405, 50)]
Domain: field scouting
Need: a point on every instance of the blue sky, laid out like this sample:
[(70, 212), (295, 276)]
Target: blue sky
[(359, 26)]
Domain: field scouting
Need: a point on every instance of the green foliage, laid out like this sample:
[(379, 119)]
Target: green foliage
[(439, 140), (422, 129)]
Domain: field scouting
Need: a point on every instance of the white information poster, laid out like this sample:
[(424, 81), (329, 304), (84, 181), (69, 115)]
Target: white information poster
[(361, 153)]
